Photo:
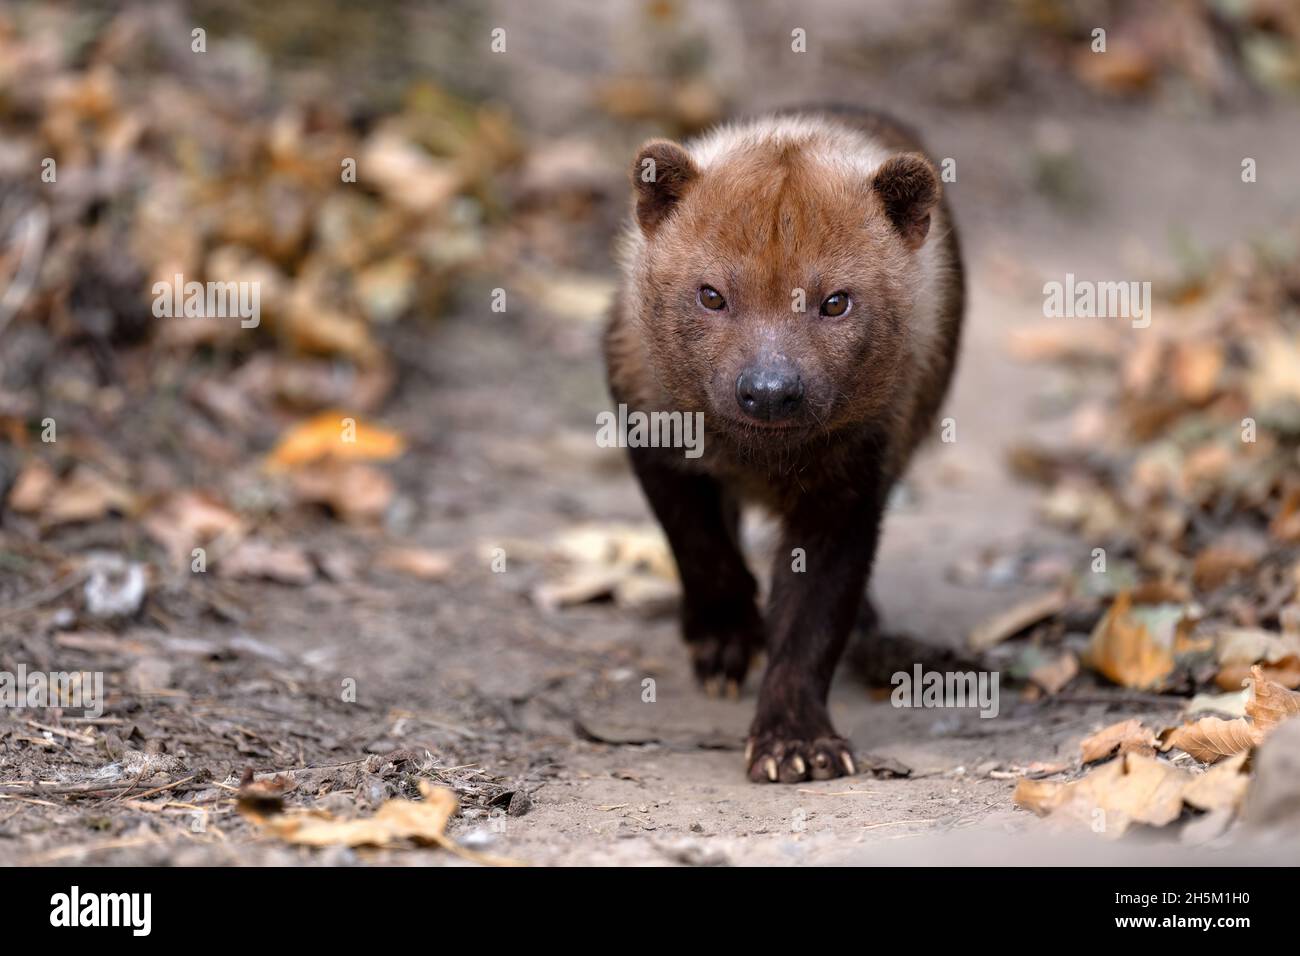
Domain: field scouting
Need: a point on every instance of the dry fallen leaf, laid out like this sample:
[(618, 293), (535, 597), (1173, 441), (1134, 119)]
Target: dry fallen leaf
[(335, 436), (1124, 649), (352, 490), (1221, 563), (84, 495), (588, 582), (631, 563), (1197, 366), (1040, 796), (32, 488), (1270, 703), (1132, 789), (1245, 645), (187, 520), (1126, 67), (1285, 672), (1211, 738), (416, 562), (1150, 791), (258, 559), (1222, 787), (258, 799), (314, 327), (1285, 525), (407, 174), (397, 819), (1015, 619), (1239, 649), (1127, 736), (1056, 672)]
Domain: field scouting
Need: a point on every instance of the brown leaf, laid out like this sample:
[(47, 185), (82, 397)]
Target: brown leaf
[(423, 822), (1150, 791), (1196, 369), (1124, 650), (1053, 674), (258, 799), (352, 490), (1040, 796), (1246, 645), (1123, 68), (315, 327), (1285, 525), (1127, 736), (1133, 789), (257, 559), (1270, 703), (32, 487), (1285, 672), (417, 562), (1222, 787), (406, 174), (85, 495), (1211, 738), (1221, 562), (188, 519)]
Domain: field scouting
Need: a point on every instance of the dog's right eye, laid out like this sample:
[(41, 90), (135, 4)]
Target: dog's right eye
[(711, 298)]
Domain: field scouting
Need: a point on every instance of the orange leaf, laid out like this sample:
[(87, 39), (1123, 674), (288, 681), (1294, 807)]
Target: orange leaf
[(335, 436), (1124, 650)]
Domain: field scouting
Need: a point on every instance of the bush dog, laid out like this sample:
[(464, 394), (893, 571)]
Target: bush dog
[(797, 279)]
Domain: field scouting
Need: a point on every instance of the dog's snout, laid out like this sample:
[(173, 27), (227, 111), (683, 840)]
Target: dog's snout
[(769, 393)]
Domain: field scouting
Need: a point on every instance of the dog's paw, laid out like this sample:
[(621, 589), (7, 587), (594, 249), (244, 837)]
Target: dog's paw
[(777, 758), (721, 662), (725, 639)]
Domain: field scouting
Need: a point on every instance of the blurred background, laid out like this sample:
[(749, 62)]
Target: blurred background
[(490, 143)]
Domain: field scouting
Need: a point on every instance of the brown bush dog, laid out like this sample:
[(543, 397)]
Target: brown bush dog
[(811, 413)]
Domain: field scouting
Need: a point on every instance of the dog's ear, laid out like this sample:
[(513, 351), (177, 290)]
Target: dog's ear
[(908, 187), (662, 173)]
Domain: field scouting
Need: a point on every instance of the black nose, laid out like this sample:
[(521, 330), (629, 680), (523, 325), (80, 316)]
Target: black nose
[(769, 393)]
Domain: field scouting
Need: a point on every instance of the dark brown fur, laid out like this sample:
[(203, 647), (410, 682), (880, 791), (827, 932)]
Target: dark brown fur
[(766, 220)]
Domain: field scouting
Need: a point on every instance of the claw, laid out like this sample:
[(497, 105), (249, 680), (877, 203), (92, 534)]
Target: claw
[(749, 752), (712, 688), (849, 766), (733, 689), (770, 766), (799, 766)]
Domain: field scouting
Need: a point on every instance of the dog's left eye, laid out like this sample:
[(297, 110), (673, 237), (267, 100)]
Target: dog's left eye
[(836, 304), (711, 298)]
